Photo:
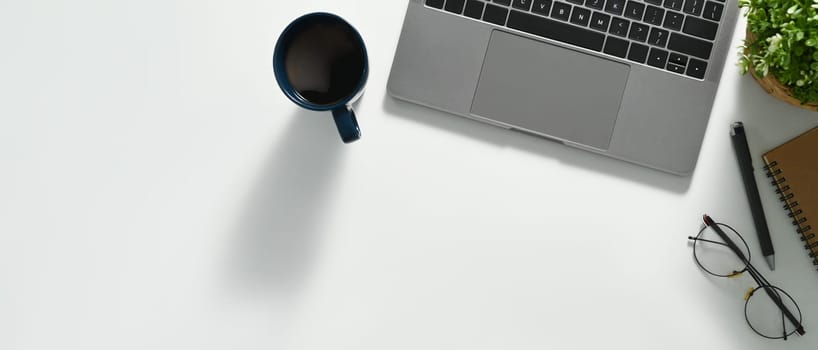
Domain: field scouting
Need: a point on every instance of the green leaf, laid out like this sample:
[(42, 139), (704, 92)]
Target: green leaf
[(786, 45)]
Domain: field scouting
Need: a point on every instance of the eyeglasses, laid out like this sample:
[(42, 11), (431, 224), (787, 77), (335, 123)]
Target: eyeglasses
[(722, 252)]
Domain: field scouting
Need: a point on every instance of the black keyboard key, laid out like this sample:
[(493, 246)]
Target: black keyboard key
[(503, 2), (600, 21), (673, 4), (658, 37), (581, 16), (524, 5), (438, 4), (676, 58), (638, 32), (696, 68), (474, 9), (712, 11), (657, 58), (495, 14), (619, 27), (561, 11), (556, 30), (616, 47), (542, 7), (638, 53), (675, 68), (694, 7), (455, 6), (655, 2), (634, 10), (595, 4), (690, 45), (654, 15), (700, 28), (615, 6), (673, 20), (578, 2)]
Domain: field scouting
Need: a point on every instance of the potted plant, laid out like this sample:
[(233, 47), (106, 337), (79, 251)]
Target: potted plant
[(781, 48)]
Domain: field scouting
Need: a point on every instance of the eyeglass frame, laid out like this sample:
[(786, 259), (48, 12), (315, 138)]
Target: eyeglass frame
[(771, 290)]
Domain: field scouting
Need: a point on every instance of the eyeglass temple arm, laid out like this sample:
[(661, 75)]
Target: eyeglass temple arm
[(705, 240), (756, 276), (732, 245)]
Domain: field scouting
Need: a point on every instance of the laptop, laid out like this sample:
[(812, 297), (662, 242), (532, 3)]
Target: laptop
[(630, 79)]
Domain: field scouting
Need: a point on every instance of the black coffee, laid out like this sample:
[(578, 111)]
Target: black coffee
[(324, 61)]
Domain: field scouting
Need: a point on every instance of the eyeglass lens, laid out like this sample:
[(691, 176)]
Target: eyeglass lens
[(715, 257)]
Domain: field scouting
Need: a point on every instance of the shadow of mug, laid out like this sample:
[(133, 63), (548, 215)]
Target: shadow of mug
[(320, 63), (281, 224)]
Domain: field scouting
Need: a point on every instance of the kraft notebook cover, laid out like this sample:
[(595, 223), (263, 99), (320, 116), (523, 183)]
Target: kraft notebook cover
[(793, 167)]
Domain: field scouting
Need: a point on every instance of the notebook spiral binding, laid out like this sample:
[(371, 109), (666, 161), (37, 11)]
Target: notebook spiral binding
[(792, 207)]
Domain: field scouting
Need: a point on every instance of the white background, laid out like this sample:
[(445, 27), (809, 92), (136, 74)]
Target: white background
[(158, 191)]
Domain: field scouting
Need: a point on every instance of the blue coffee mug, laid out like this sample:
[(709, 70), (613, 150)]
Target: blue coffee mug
[(321, 64)]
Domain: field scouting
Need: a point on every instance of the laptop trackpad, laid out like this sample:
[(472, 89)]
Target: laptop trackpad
[(550, 90)]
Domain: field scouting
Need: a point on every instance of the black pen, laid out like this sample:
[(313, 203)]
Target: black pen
[(745, 162)]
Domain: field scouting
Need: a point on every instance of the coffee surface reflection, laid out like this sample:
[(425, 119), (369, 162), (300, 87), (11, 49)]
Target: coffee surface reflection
[(324, 62)]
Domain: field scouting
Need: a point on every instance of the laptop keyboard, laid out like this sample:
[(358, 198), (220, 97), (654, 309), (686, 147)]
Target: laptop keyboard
[(672, 35)]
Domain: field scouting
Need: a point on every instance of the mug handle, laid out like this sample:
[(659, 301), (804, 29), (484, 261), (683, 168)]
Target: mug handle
[(347, 124)]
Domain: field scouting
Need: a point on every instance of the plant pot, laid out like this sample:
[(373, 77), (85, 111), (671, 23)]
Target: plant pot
[(774, 87)]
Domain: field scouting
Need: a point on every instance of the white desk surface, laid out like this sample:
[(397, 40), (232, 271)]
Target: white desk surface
[(158, 191)]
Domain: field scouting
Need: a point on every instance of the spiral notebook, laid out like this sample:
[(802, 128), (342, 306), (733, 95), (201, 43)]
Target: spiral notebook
[(793, 167)]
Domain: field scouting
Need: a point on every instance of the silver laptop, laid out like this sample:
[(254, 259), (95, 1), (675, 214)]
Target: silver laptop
[(630, 79)]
